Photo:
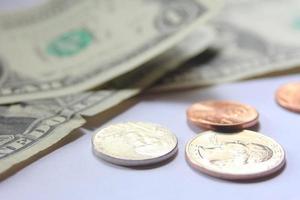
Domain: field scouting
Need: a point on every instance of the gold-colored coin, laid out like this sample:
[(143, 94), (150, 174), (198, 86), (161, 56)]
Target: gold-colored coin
[(243, 155), (134, 143)]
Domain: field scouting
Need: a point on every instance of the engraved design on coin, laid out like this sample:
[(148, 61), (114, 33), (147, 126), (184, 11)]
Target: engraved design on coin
[(134, 143), (222, 114), (243, 155), (288, 96), (235, 153)]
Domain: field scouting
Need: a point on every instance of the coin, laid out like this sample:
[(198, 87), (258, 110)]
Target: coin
[(222, 115), (134, 144), (238, 156), (288, 96)]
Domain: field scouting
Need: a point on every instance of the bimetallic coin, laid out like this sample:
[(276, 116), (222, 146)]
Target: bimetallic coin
[(222, 115), (238, 156), (288, 96), (134, 144)]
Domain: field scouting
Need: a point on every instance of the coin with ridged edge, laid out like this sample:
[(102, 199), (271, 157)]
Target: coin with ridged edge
[(237, 156), (134, 144)]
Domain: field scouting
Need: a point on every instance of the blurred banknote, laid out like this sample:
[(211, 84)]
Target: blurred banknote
[(65, 47), (255, 37), (29, 128)]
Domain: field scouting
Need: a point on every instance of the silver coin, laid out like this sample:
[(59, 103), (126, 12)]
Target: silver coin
[(134, 144), (243, 155)]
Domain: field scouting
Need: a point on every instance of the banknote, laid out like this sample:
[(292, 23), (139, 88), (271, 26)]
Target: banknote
[(253, 38), (64, 47), (29, 128)]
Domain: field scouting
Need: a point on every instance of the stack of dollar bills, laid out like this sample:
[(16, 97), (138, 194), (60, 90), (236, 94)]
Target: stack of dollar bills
[(64, 61)]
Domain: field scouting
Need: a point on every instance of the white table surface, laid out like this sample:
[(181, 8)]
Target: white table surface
[(73, 172)]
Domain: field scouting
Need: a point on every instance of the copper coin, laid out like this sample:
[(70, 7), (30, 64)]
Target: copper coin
[(238, 156), (288, 96), (222, 115)]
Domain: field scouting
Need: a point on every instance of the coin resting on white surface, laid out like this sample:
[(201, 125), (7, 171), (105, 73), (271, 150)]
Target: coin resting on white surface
[(134, 143), (243, 155)]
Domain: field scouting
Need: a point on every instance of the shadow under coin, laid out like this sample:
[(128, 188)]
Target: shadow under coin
[(256, 127), (156, 165), (228, 130), (143, 167)]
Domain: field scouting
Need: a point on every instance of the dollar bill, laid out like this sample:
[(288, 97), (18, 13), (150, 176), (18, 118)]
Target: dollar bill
[(254, 38), (64, 47), (30, 128)]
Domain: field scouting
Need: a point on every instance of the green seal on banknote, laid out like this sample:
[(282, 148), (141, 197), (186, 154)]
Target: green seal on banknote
[(70, 43), (296, 23)]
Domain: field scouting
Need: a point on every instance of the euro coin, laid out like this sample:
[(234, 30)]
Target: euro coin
[(222, 115), (134, 144), (288, 96), (238, 156)]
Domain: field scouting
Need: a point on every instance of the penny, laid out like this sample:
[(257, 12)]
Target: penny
[(222, 115), (288, 96), (134, 144), (238, 156)]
